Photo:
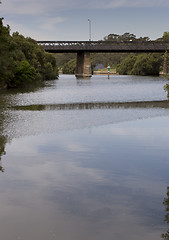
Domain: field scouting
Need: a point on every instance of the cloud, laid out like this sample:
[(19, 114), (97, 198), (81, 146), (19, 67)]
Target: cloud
[(23, 7), (32, 7), (110, 4), (43, 31), (49, 23), (41, 19)]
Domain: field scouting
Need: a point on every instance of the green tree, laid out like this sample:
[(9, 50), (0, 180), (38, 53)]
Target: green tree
[(126, 66), (62, 58), (7, 64), (124, 37), (69, 67), (3, 142), (165, 37), (43, 62), (24, 73), (142, 64), (147, 64), (22, 60), (50, 67)]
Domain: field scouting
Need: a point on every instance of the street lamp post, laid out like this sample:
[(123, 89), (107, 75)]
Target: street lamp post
[(89, 30)]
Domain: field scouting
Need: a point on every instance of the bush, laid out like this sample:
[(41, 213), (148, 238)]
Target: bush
[(147, 64), (22, 60), (126, 66), (24, 73), (142, 64), (69, 67)]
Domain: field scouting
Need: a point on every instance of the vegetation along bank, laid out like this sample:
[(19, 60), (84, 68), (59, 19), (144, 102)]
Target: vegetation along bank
[(23, 61)]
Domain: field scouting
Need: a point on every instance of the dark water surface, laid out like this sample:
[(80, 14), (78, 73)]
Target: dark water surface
[(85, 160)]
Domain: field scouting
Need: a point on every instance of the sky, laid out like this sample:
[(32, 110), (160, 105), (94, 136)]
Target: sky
[(67, 20)]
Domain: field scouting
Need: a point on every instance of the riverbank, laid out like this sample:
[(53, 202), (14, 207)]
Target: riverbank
[(105, 72)]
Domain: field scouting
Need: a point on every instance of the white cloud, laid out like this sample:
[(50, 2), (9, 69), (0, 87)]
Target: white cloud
[(108, 4), (40, 19), (49, 23), (32, 7), (16, 7)]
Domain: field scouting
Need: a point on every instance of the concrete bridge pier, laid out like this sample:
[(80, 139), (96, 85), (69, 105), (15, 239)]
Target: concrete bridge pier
[(165, 65), (83, 65)]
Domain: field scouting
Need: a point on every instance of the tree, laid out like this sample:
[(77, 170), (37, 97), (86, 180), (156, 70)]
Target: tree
[(142, 64), (126, 66), (3, 142), (24, 73), (22, 60), (124, 37), (7, 54), (166, 36), (43, 62), (147, 64), (69, 67)]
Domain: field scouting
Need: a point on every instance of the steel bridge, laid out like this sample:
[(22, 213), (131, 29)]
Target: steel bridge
[(104, 46), (84, 48)]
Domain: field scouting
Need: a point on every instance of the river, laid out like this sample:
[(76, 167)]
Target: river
[(85, 159)]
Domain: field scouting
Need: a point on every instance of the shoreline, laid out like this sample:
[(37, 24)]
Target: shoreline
[(105, 72)]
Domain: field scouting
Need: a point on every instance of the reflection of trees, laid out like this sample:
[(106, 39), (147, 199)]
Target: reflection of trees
[(3, 142), (166, 204), (166, 88), (6, 99), (3, 139)]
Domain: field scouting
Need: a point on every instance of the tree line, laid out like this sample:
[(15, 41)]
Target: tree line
[(23, 61)]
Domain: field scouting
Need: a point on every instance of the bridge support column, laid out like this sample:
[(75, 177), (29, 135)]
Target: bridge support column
[(165, 66), (83, 65)]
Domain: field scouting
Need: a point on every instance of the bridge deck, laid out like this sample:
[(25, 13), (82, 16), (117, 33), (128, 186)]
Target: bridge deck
[(104, 46)]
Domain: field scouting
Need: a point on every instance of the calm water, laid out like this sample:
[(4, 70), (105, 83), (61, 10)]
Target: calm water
[(85, 160)]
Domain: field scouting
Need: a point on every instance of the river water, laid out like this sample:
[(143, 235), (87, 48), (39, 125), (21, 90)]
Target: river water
[(85, 160)]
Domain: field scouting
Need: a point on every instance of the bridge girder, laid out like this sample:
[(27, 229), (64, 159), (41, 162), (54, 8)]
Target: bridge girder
[(104, 46)]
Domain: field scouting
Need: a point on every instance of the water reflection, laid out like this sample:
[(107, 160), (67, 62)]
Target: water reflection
[(165, 236), (6, 97), (166, 88), (6, 100), (96, 173), (3, 139), (83, 82), (100, 184), (3, 142)]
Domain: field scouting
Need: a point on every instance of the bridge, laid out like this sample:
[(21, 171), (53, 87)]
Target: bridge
[(84, 48)]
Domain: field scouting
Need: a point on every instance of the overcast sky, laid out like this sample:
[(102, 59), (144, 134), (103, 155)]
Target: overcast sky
[(68, 19)]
